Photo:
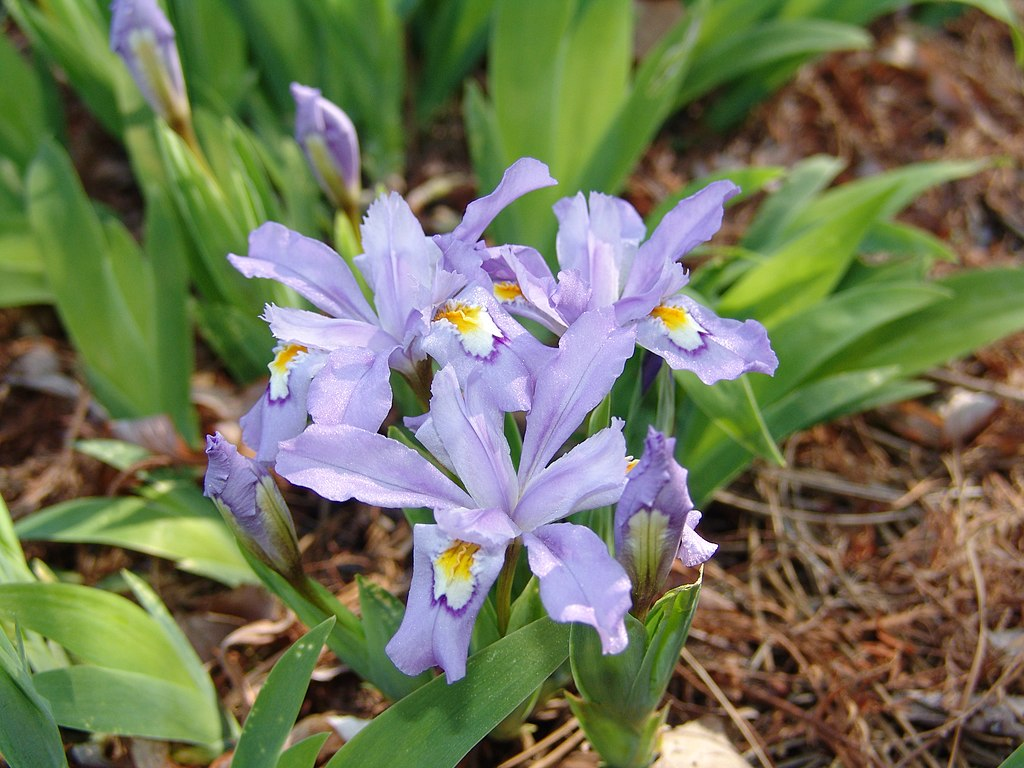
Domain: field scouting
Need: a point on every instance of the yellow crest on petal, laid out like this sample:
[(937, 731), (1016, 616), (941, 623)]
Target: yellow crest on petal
[(682, 328), (507, 291), (477, 331), (455, 573), (285, 356)]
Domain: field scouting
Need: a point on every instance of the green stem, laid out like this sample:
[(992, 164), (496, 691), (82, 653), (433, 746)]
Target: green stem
[(503, 592)]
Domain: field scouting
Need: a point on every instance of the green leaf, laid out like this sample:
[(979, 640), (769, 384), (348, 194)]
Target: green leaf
[(29, 737), (980, 307), (453, 35), (304, 753), (12, 559), (97, 627), (102, 288), (186, 653), (1016, 760), (240, 339), (22, 105), (362, 68), (733, 408), (435, 726), (275, 709), (607, 681), (749, 50), (176, 523), (173, 349), (809, 341), (774, 218), (804, 270), (315, 603), (213, 52), (128, 703), (713, 458), (119, 454), (667, 626), (649, 103), (73, 35), (897, 239)]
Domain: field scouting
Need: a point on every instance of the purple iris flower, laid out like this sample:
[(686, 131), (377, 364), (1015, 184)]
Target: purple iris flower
[(421, 306), (457, 559), (348, 385), (655, 521), (329, 140), (144, 39), (605, 262)]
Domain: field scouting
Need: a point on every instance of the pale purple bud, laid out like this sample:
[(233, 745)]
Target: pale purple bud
[(655, 521), (252, 505), (143, 37), (328, 139)]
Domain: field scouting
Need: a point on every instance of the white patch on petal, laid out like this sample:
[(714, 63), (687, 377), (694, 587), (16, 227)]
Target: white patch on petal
[(476, 330), (285, 357), (680, 326), (455, 571)]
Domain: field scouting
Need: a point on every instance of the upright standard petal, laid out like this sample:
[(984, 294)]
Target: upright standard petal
[(450, 581), (341, 462), (591, 356), (580, 581), (400, 263), (329, 140), (655, 273), (599, 241), (693, 338), (693, 221), (281, 412), (473, 442), (524, 175), (252, 506), (308, 266)]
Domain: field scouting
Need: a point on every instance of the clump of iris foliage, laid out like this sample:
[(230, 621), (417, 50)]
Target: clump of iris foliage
[(517, 375)]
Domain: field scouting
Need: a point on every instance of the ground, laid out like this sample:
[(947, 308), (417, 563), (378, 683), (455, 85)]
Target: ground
[(864, 608)]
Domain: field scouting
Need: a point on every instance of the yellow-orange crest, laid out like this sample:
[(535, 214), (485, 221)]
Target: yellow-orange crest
[(477, 330), (455, 573)]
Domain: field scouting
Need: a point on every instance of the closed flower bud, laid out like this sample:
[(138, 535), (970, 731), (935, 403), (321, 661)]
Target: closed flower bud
[(655, 521), (253, 507), (143, 37), (328, 139)]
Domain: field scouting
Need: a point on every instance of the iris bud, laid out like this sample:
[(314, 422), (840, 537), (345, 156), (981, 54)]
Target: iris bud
[(144, 39), (328, 139), (655, 522), (251, 503)]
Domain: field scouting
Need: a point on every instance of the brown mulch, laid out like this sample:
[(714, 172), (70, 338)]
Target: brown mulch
[(865, 607)]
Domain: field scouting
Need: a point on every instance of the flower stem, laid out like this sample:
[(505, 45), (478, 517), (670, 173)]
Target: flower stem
[(504, 589)]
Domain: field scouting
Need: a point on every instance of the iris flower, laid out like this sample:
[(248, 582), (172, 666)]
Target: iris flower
[(420, 306), (605, 262), (457, 559)]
